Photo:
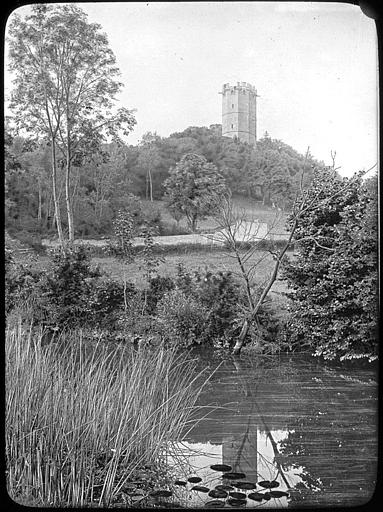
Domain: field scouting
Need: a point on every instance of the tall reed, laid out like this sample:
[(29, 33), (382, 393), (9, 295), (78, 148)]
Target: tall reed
[(68, 404)]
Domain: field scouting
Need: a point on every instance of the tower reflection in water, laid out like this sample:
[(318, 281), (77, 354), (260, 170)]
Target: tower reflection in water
[(309, 426), (235, 433)]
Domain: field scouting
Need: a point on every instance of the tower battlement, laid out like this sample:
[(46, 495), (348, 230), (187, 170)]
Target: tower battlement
[(239, 86), (239, 111)]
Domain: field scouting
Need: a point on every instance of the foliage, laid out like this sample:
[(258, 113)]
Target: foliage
[(181, 319), (20, 283), (126, 228), (103, 180), (158, 286), (191, 186), (64, 88), (215, 299), (150, 260), (333, 278), (124, 231), (70, 294), (221, 294)]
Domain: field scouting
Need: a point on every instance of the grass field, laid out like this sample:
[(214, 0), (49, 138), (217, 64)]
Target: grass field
[(217, 260), (249, 208)]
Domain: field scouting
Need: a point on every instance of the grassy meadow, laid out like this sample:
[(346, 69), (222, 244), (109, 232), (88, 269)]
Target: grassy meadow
[(215, 260), (247, 208)]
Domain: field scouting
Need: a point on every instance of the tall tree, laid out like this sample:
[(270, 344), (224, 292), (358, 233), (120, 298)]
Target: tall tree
[(148, 159), (333, 278), (193, 187), (65, 86)]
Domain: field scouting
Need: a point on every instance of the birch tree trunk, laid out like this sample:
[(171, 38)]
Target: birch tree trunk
[(55, 197)]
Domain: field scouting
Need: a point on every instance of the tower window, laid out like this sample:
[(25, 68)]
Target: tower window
[(232, 126), (232, 105)]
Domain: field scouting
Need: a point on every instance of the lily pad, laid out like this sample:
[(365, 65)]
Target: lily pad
[(234, 476), (236, 503), (266, 496), (138, 492), (278, 494), (161, 493), (216, 493), (238, 495), (245, 485), (214, 504), (200, 488), (221, 467), (267, 484), (129, 489), (223, 487), (180, 482), (255, 496), (194, 479)]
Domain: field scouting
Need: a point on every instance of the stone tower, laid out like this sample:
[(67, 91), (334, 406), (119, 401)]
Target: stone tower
[(239, 112)]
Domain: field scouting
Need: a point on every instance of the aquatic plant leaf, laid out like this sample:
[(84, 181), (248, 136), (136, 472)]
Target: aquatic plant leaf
[(180, 482), (214, 504), (234, 476), (255, 496), (194, 479), (129, 489), (221, 467), (238, 495), (161, 493), (138, 492), (216, 493), (266, 496), (245, 485), (223, 487), (200, 488), (278, 494), (236, 503), (269, 484), (167, 505)]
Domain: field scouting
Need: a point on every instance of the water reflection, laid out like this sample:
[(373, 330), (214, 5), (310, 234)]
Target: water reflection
[(307, 426)]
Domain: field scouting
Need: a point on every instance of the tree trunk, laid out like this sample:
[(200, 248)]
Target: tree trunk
[(55, 198), (68, 200), (241, 338), (246, 325), (150, 184), (39, 208), (68, 204), (194, 222)]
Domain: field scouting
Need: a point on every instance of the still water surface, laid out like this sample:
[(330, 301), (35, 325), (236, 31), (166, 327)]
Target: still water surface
[(309, 426)]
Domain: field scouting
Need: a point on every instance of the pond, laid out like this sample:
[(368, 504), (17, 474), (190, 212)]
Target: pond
[(308, 427)]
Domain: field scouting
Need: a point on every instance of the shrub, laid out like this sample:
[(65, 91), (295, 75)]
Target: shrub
[(32, 240), (105, 300), (72, 293), (21, 284), (158, 286), (220, 294), (333, 278), (181, 319)]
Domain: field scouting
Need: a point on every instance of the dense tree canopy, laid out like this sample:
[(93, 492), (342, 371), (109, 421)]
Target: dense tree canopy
[(103, 178), (333, 279), (192, 187)]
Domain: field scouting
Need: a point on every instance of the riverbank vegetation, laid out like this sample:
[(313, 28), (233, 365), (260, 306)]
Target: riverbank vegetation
[(90, 424)]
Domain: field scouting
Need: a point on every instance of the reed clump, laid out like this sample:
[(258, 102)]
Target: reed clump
[(82, 418)]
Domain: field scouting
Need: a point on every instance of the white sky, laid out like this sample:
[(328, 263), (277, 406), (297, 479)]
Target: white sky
[(314, 66)]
